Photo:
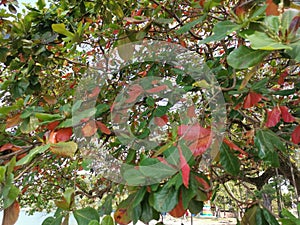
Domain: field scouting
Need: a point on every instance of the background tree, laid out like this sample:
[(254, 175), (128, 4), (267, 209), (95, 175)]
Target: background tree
[(47, 134)]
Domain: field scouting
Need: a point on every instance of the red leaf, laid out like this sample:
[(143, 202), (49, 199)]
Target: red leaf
[(294, 25), (193, 132), (273, 117), (64, 134), (252, 99), (89, 129), (134, 92), (272, 8), (286, 116), (161, 121), (296, 135), (94, 93), (282, 77), (103, 128), (234, 146), (185, 169), (53, 125), (199, 137), (157, 89)]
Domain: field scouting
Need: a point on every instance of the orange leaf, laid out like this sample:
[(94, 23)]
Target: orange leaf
[(157, 89), (103, 128), (296, 135), (273, 117), (13, 121), (11, 214), (89, 129), (272, 8), (252, 99), (64, 134), (286, 116)]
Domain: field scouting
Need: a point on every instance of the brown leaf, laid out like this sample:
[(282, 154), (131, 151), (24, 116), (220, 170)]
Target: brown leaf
[(11, 214), (89, 129), (7, 146), (13, 121), (50, 99)]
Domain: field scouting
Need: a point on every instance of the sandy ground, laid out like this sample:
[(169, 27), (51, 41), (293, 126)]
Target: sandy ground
[(196, 221)]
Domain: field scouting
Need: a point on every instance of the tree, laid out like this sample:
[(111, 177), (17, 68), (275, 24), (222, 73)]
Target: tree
[(162, 101)]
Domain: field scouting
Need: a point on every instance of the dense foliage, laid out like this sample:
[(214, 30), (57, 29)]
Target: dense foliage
[(103, 108)]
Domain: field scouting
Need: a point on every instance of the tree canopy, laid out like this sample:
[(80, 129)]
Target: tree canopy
[(146, 107)]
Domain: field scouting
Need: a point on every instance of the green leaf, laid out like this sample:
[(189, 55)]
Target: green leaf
[(11, 197), (2, 173), (95, 222), (195, 206), (244, 57), (67, 200), (250, 216), (266, 142), (262, 41), (148, 213), (165, 199), (41, 4), (269, 217), (106, 208), (160, 111), (67, 149), (189, 25), (136, 213), (84, 216), (295, 51), (61, 29), (260, 85), (221, 30), (107, 220), (156, 170), (10, 166), (32, 154), (3, 54), (29, 125), (229, 161), (100, 109), (139, 196), (48, 117), (53, 221), (188, 194)]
